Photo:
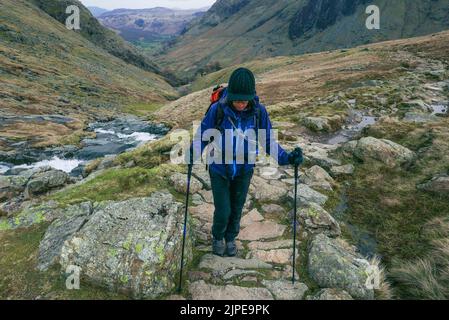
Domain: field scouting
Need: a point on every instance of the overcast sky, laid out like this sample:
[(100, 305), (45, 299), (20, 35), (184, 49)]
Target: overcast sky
[(139, 4)]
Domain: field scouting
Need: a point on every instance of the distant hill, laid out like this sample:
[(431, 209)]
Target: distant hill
[(92, 30), (235, 31), (96, 11), (47, 69), (148, 25)]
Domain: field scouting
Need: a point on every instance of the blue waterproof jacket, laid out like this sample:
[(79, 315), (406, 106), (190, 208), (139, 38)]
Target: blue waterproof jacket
[(242, 148)]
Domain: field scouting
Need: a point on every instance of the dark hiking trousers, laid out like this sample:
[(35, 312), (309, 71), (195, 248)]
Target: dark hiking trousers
[(229, 199)]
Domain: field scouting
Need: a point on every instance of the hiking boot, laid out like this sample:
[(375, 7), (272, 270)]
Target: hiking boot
[(218, 247), (231, 248)]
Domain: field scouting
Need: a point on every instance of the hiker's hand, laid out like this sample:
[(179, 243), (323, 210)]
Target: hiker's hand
[(295, 157)]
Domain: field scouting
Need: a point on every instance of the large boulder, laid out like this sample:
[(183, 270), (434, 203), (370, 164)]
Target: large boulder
[(385, 151), (44, 181), (333, 265), (130, 246), (59, 231)]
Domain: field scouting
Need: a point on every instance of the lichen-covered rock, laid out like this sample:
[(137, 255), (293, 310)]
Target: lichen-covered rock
[(201, 290), (45, 212), (11, 186), (317, 220), (285, 290), (332, 265), (131, 246), (385, 151), (44, 181), (71, 220), (179, 182)]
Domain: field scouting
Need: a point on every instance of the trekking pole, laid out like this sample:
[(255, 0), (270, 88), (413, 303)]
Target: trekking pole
[(189, 174), (294, 222)]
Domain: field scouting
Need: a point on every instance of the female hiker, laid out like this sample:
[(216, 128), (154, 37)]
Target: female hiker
[(237, 111)]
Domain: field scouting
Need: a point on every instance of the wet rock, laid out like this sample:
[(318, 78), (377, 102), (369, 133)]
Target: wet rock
[(262, 230), (385, 151), (285, 290), (179, 182), (438, 184), (331, 294), (307, 195), (332, 265), (200, 290), (130, 246)]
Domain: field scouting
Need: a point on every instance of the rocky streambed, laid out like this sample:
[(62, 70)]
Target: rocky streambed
[(111, 138)]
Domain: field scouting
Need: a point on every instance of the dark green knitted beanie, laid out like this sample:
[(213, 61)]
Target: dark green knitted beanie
[(241, 85)]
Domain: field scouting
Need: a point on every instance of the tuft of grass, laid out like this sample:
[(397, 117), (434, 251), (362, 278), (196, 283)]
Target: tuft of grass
[(117, 184), (426, 277), (150, 154), (143, 109)]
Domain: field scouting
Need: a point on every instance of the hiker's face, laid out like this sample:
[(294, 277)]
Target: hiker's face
[(240, 105)]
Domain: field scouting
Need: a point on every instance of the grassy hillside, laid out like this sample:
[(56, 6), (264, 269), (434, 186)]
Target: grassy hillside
[(408, 224), (48, 69), (239, 30)]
